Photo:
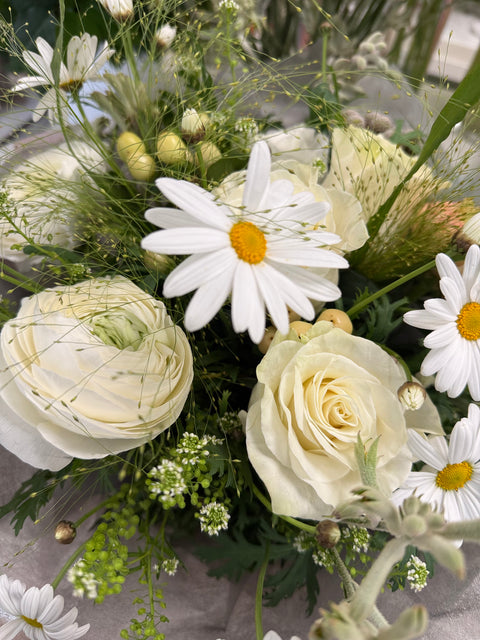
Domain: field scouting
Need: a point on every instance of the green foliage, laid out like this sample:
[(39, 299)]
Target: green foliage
[(33, 494), (381, 319)]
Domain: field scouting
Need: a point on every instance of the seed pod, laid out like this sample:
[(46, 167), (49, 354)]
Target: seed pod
[(266, 341), (171, 149), (300, 327), (210, 153), (128, 145), (65, 532), (338, 318), (328, 533), (141, 166)]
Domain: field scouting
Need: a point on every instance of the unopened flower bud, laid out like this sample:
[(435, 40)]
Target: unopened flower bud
[(65, 532), (171, 149), (193, 128), (129, 145), (210, 153), (353, 117), (414, 525), (379, 122), (300, 327), (165, 36), (120, 10), (412, 395), (328, 534), (338, 318), (411, 623)]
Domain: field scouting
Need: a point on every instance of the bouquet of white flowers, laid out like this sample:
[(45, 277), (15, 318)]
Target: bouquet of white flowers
[(218, 274)]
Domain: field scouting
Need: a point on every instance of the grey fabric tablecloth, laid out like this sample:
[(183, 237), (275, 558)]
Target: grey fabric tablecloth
[(203, 608)]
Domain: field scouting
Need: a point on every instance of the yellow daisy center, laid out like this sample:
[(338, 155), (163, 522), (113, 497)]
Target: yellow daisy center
[(32, 622), (468, 321), (248, 241), (454, 476)]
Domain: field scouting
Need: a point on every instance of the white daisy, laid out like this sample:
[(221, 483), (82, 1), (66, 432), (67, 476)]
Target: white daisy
[(452, 478), (83, 63), (36, 613), (256, 251), (454, 342), (120, 10)]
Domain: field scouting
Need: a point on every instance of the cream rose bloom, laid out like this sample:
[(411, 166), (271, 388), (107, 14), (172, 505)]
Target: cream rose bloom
[(302, 145), (89, 370), (41, 200), (315, 396), (369, 166)]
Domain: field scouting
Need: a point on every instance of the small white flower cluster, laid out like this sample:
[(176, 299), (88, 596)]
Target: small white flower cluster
[(302, 542), (229, 5), (323, 558), (213, 518), (168, 480), (83, 581), (358, 538), (229, 421), (170, 566), (192, 447), (417, 573), (248, 130)]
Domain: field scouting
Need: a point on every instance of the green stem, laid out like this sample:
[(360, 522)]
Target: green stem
[(99, 506), (349, 586), (355, 310), (67, 565), (259, 594), (293, 521)]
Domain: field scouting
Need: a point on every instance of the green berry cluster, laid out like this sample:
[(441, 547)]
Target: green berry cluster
[(105, 557), (144, 627)]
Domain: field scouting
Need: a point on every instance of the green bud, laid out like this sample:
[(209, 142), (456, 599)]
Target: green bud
[(410, 624)]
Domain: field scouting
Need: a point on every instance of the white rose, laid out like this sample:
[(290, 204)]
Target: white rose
[(88, 370), (315, 396), (40, 198)]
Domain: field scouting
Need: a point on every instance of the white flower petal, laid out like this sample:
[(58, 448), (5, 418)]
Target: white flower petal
[(197, 202), (207, 301), (441, 337), (423, 450), (168, 218), (197, 270), (185, 240), (258, 178)]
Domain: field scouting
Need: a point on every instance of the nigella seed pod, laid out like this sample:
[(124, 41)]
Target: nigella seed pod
[(65, 532), (411, 395)]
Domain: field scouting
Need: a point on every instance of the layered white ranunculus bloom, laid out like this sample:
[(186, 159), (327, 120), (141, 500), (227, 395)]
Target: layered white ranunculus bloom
[(41, 200), (316, 395), (302, 145), (88, 370)]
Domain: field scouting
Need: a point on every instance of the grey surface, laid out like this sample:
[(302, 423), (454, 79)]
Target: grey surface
[(203, 608)]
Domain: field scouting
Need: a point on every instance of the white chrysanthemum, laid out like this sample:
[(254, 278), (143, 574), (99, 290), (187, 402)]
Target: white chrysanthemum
[(36, 613), (256, 251), (83, 63), (454, 342), (452, 479)]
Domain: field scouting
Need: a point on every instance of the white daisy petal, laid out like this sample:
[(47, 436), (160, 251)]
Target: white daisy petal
[(310, 256), (423, 450), (168, 218), (471, 267), (197, 270), (243, 284), (447, 269), (436, 359), (441, 310), (258, 177), (185, 240), (206, 302), (195, 201), (273, 299), (454, 296), (441, 337)]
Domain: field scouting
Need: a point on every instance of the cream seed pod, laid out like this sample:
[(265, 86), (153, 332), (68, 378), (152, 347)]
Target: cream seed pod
[(129, 144), (412, 395), (171, 149), (141, 166), (300, 327), (266, 341), (210, 153), (338, 318)]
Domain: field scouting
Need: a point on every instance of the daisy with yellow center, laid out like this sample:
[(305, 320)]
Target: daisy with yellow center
[(454, 342), (256, 253), (83, 63), (36, 613), (451, 481)]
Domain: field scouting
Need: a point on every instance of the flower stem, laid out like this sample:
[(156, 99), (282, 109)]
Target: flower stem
[(349, 586), (296, 523), (355, 310), (67, 565), (259, 595)]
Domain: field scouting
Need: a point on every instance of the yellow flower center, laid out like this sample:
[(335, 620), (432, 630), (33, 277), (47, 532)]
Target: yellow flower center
[(248, 241), (454, 476), (468, 321), (32, 622)]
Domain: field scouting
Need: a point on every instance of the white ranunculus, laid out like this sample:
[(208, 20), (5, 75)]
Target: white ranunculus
[(88, 370), (316, 395), (41, 200), (369, 166)]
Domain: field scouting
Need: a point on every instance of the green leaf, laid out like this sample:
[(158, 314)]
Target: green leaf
[(367, 461)]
